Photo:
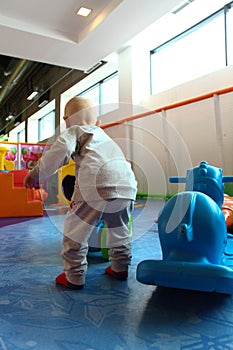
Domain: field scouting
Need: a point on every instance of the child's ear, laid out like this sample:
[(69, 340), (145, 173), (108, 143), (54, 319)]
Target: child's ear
[(98, 122)]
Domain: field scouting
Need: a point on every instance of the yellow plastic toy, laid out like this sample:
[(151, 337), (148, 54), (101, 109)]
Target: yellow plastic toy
[(9, 165), (68, 169), (3, 151), (4, 163)]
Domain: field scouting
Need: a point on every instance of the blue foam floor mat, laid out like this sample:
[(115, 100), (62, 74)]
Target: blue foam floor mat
[(107, 314)]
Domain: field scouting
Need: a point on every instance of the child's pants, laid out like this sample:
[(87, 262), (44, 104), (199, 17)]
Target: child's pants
[(81, 220)]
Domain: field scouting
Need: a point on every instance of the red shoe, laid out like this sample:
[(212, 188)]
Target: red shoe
[(61, 280), (122, 276)]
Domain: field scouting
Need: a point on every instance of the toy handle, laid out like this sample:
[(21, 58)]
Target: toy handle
[(175, 179), (227, 179)]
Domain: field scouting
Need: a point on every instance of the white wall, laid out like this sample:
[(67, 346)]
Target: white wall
[(165, 145), (207, 131)]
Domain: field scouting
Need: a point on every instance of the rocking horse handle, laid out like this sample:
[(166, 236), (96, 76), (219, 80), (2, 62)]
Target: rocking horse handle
[(177, 179), (227, 179)]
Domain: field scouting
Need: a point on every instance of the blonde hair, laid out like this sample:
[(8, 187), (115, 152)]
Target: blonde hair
[(80, 111)]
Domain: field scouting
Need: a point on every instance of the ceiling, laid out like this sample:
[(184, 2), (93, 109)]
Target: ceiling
[(47, 32), (34, 34)]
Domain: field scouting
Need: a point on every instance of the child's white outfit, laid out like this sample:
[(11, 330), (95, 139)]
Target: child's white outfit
[(105, 188)]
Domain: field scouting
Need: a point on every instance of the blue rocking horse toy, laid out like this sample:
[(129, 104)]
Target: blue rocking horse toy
[(196, 248)]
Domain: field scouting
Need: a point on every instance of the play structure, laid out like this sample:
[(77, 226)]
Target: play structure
[(16, 200), (227, 209), (66, 178), (98, 238), (197, 250)]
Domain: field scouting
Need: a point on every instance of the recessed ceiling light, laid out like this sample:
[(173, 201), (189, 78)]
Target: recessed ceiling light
[(83, 11)]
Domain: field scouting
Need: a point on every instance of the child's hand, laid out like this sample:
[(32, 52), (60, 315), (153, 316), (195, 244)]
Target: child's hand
[(29, 182)]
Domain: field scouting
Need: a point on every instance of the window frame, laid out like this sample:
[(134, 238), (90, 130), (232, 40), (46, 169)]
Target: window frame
[(222, 11), (52, 112), (99, 84)]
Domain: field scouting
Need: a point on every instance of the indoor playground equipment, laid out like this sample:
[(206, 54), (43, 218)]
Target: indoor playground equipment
[(197, 250), (3, 151), (98, 238), (227, 209), (16, 200), (66, 182)]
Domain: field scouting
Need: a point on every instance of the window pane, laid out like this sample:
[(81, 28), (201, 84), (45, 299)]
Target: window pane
[(21, 136), (33, 130), (230, 36), (92, 94), (110, 94), (18, 133), (47, 126), (200, 52)]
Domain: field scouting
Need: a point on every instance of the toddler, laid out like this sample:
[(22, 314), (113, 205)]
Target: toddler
[(105, 189)]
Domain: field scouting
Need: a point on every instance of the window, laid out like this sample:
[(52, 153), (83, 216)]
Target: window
[(18, 133), (46, 127), (198, 51), (110, 94), (41, 125), (21, 136), (104, 94), (92, 94), (229, 33)]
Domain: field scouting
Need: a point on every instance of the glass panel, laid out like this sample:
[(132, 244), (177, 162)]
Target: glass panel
[(33, 130), (110, 94), (21, 136), (230, 36), (200, 52), (92, 94), (18, 133), (47, 126)]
